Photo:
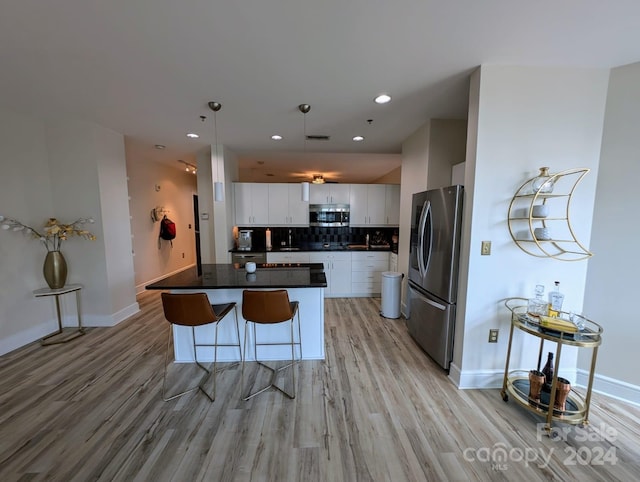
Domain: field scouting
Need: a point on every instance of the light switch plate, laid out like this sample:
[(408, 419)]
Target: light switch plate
[(486, 248)]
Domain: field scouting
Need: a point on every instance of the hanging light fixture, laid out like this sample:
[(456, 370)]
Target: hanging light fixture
[(305, 108), (218, 185)]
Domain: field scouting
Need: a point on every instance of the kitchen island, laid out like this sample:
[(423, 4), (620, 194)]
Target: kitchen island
[(224, 283)]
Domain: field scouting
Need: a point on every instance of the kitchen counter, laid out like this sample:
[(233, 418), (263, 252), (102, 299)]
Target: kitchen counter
[(230, 276), (224, 283), (315, 247)]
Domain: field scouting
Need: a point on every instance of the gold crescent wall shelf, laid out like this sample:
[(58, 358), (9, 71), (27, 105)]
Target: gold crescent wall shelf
[(547, 232)]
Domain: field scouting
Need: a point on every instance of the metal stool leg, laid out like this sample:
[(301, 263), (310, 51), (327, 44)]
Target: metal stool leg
[(274, 371), (166, 364)]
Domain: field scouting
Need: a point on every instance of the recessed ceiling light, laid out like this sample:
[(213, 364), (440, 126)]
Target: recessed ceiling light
[(159, 146), (276, 137), (192, 135), (358, 138), (382, 99)]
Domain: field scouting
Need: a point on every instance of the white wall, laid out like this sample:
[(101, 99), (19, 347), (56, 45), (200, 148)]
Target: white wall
[(25, 194), (526, 118), (392, 177), (612, 281), (415, 161), (154, 259), (427, 157), (64, 169), (447, 147)]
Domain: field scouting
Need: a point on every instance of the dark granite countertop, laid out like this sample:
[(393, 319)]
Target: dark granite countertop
[(318, 247), (229, 276)]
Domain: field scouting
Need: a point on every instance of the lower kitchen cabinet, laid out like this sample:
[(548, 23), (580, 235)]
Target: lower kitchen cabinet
[(288, 257), (337, 269), (348, 273), (366, 272)]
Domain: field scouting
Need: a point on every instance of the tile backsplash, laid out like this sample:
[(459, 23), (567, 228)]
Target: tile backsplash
[(319, 235)]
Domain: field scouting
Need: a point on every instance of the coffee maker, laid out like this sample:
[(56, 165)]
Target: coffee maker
[(244, 239)]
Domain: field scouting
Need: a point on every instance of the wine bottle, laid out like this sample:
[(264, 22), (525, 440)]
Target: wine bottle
[(548, 373)]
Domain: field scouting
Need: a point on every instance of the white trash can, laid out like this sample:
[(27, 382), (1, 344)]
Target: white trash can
[(391, 289)]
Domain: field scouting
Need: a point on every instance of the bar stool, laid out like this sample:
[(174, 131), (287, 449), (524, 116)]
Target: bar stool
[(264, 308), (194, 309)]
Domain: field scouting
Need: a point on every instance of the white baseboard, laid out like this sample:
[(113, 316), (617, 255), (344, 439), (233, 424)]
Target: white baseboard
[(141, 287), (110, 320), (611, 387), (481, 379), (18, 340), (475, 378)]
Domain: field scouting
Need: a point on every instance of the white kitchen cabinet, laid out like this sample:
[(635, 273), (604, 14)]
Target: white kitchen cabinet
[(392, 205), (251, 203), (367, 205), (286, 206), (329, 193), (288, 257), (337, 269), (366, 272)]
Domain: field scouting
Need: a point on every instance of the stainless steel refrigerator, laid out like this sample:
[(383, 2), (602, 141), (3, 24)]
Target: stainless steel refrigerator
[(436, 221)]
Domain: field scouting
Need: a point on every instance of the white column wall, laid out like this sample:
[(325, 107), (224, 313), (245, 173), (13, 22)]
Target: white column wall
[(216, 232), (413, 178), (527, 117), (88, 165), (612, 281)]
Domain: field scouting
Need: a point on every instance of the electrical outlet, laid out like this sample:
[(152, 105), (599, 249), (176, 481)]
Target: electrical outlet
[(486, 248), (493, 335)]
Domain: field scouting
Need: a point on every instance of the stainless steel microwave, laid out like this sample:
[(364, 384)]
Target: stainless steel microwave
[(328, 215)]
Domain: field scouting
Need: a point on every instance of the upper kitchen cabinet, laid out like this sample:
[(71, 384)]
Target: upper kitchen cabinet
[(251, 203), (367, 205), (286, 206), (329, 193), (392, 204)]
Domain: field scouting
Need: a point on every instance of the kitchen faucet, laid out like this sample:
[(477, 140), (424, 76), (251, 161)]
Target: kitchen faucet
[(289, 238)]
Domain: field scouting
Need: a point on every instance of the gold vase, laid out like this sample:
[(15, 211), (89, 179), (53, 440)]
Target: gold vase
[(55, 270)]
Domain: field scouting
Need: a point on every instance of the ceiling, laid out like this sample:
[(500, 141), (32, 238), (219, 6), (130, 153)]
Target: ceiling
[(147, 69)]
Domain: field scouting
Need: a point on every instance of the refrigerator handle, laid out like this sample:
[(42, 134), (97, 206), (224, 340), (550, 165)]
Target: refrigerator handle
[(428, 300), (422, 263)]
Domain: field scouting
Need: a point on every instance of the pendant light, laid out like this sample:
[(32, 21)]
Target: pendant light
[(305, 108), (218, 185)]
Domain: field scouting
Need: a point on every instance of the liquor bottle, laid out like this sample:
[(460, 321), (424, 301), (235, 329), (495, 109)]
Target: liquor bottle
[(537, 306), (555, 301), (548, 373)]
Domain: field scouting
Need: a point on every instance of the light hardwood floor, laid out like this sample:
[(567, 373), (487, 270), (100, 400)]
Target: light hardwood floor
[(377, 409)]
